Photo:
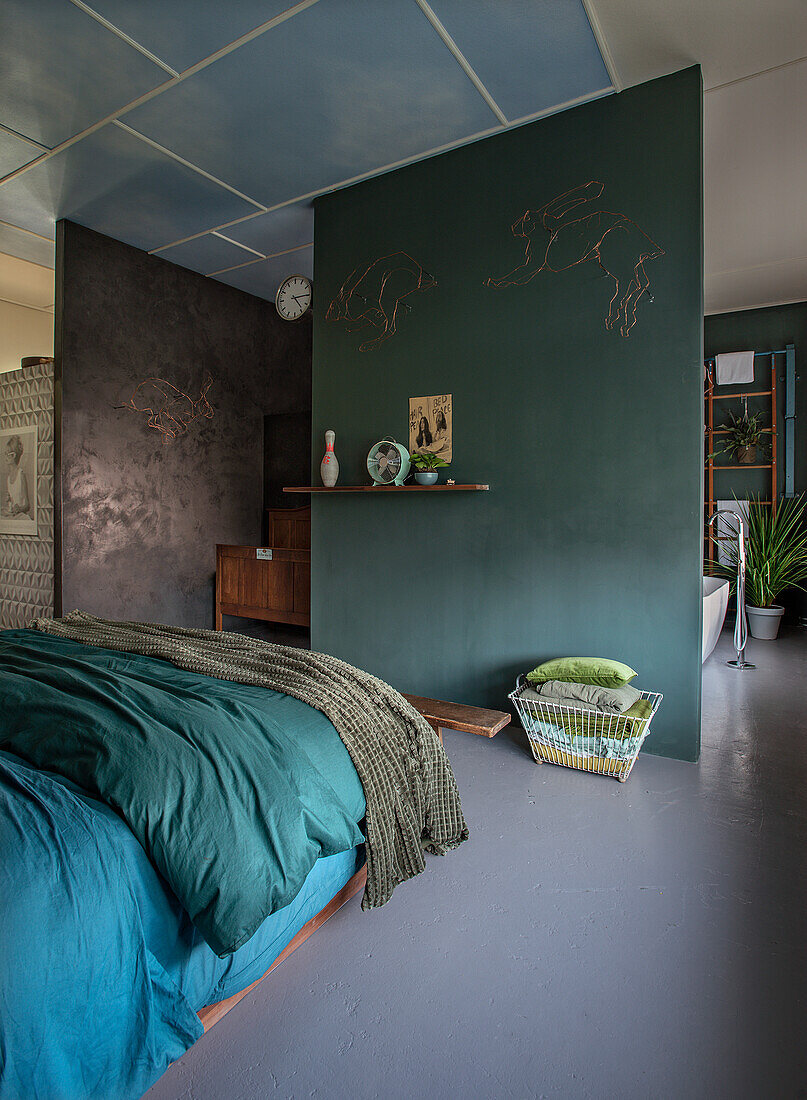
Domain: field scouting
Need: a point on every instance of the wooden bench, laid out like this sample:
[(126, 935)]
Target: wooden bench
[(458, 716)]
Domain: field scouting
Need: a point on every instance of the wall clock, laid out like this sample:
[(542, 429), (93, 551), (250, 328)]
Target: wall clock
[(293, 298)]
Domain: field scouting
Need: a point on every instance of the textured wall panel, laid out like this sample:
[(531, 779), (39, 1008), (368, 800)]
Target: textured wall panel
[(141, 517), (26, 562)]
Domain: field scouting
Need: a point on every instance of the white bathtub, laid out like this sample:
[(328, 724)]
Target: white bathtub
[(715, 599)]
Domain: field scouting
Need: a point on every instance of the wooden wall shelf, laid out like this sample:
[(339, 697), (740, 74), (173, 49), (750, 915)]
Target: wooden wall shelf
[(386, 488)]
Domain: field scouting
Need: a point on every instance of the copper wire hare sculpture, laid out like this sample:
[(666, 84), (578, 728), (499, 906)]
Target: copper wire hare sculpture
[(615, 242), (167, 409), (375, 297)]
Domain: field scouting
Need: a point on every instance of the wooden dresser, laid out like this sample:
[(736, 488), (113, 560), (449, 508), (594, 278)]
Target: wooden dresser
[(271, 582)]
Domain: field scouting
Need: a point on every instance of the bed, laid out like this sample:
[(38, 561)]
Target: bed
[(127, 923)]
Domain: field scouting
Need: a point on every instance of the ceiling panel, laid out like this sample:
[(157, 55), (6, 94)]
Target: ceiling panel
[(264, 277), (118, 185), (206, 254), (339, 90), (287, 227), (182, 32), (530, 54), (15, 242), (14, 152), (61, 71)]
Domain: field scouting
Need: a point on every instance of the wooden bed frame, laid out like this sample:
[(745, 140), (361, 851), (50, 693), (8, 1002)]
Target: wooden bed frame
[(211, 1014)]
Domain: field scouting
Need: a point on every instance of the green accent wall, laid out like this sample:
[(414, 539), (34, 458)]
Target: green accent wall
[(589, 541), (770, 328)]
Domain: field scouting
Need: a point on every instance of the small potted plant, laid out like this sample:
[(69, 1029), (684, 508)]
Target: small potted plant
[(426, 465), (744, 436), (775, 559)]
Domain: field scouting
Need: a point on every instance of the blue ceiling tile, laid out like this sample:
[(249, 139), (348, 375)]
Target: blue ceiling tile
[(279, 229), (14, 152), (339, 90), (61, 71), (116, 184), (206, 254), (25, 246), (182, 32), (264, 277), (530, 54)]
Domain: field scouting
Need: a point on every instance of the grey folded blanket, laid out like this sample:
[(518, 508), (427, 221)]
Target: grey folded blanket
[(586, 696), (412, 800)]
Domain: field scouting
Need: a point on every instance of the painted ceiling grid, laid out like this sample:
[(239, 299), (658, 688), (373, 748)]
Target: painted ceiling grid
[(204, 135)]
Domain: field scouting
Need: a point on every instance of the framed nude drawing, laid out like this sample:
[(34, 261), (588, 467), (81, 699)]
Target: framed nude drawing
[(18, 480)]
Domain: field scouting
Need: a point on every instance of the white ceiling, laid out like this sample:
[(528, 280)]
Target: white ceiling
[(730, 39), (754, 60), (754, 196)]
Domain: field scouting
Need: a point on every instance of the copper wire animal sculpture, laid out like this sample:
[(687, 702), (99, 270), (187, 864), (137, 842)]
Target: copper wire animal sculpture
[(615, 242), (375, 297), (167, 409)]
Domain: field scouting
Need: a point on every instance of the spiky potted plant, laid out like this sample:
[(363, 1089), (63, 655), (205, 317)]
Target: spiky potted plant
[(426, 466), (775, 559), (745, 435)]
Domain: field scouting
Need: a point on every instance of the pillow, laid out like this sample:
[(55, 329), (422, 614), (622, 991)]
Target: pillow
[(606, 700), (583, 670)]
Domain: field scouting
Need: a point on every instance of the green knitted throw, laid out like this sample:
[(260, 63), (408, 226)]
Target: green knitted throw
[(412, 800)]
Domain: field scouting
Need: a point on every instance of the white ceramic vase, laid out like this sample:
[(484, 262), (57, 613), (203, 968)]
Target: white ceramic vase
[(329, 467)]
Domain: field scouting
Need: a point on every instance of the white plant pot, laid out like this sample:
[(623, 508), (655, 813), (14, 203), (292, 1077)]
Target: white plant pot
[(763, 622)]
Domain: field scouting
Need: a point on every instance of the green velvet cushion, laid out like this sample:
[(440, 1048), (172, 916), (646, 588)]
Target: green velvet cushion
[(583, 670)]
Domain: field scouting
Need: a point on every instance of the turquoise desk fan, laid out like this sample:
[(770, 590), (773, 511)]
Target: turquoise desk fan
[(388, 463)]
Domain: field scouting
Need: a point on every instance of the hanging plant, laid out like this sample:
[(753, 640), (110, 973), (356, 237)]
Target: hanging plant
[(745, 436)]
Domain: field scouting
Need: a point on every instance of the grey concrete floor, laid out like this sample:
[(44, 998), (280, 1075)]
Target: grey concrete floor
[(592, 939)]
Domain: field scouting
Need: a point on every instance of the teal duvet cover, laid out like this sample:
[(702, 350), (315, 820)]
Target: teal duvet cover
[(102, 968)]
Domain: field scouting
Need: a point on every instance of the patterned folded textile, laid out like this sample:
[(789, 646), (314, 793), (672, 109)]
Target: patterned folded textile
[(574, 722)]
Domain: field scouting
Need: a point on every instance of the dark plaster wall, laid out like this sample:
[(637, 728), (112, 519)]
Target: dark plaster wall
[(286, 456), (590, 539), (140, 519)]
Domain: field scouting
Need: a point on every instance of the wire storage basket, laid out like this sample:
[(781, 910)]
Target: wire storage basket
[(588, 740)]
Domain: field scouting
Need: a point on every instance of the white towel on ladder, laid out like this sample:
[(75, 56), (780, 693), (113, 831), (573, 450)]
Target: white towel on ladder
[(727, 529), (735, 367)]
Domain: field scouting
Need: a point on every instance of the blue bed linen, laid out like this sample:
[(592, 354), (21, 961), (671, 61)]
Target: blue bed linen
[(205, 978), (102, 971), (86, 1008), (212, 777)]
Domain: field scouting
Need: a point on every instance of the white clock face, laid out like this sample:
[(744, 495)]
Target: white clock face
[(293, 297)]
